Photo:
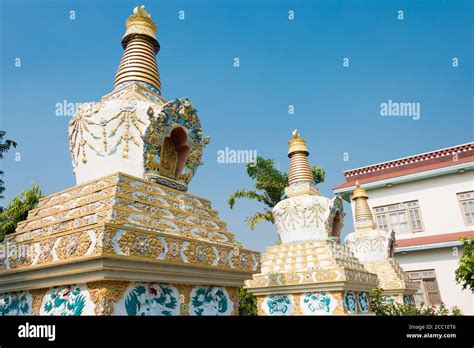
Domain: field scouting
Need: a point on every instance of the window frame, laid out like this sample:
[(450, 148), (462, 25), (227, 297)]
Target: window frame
[(460, 202), (419, 276), (406, 208)]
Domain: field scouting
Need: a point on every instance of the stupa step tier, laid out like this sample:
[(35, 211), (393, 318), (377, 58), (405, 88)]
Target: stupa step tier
[(391, 276), (308, 256), (318, 261), (124, 217), (123, 200)]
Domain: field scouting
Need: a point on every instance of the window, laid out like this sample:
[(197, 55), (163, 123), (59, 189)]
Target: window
[(466, 201), (382, 222), (401, 217), (428, 291)]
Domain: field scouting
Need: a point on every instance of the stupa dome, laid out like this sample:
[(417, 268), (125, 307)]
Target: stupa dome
[(368, 242), (306, 214), (133, 129)]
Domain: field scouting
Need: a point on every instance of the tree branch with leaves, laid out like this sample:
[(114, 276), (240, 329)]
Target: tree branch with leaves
[(269, 188), (18, 210), (465, 271), (4, 147)]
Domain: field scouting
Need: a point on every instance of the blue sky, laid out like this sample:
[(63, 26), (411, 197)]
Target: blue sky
[(282, 62)]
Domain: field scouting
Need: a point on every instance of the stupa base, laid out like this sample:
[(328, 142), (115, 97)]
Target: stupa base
[(317, 277), (315, 302), (120, 245), (116, 297)]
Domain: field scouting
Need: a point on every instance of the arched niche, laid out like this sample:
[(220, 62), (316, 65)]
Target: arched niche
[(174, 153), (336, 225)]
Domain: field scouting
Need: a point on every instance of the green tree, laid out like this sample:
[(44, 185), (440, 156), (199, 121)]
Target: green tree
[(465, 271), (4, 147), (382, 305), (247, 303), (269, 188), (18, 209)]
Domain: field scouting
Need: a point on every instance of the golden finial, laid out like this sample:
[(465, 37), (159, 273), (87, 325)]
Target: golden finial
[(297, 144), (363, 216), (299, 167), (140, 22), (359, 191), (139, 59), (141, 11)]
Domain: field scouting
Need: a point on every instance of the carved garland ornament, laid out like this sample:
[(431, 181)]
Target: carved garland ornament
[(81, 126)]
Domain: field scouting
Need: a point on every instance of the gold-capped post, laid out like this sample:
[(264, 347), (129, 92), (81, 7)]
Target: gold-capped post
[(141, 46), (363, 216), (300, 170)]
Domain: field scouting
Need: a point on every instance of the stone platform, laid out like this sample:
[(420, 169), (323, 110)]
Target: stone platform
[(116, 233)]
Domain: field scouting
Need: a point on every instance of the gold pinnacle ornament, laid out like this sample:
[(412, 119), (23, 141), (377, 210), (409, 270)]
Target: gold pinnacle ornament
[(141, 46), (363, 216), (300, 170)]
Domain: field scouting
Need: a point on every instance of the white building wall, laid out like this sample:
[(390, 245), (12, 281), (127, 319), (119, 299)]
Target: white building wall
[(441, 214), (444, 261), (438, 202)]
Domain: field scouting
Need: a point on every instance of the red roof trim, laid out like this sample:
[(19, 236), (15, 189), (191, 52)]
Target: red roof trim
[(410, 165), (411, 159), (439, 238)]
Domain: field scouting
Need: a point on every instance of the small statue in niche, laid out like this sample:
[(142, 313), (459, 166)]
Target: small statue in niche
[(169, 159)]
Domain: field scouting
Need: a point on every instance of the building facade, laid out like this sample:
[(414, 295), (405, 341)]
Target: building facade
[(428, 201)]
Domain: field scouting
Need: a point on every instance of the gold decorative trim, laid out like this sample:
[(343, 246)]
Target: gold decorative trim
[(105, 293), (37, 296), (234, 297), (212, 252)]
